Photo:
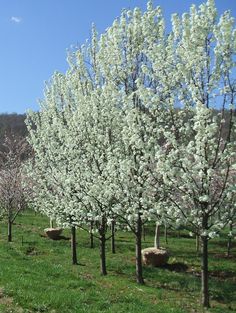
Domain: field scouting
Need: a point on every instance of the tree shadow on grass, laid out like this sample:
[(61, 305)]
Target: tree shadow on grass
[(176, 267), (55, 239)]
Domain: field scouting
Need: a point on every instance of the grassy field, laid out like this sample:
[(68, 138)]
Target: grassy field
[(36, 275)]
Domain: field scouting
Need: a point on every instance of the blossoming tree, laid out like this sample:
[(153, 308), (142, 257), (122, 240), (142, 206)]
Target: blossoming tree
[(201, 149), (54, 170), (131, 51)]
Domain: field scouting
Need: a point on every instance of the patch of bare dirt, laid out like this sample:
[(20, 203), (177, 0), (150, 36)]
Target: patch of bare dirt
[(8, 302), (31, 251), (5, 299)]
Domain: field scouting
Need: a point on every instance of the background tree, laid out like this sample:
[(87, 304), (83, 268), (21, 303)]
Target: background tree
[(13, 181), (12, 124)]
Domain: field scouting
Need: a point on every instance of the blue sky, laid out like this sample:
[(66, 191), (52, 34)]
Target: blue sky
[(35, 34)]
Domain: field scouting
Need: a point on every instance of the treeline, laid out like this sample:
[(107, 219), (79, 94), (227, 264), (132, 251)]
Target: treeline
[(12, 123)]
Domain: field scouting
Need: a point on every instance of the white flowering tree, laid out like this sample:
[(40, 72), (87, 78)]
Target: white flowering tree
[(133, 54), (97, 117), (100, 136), (73, 137), (196, 165), (99, 133), (55, 168)]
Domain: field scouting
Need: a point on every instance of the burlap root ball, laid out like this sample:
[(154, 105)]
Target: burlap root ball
[(53, 233), (155, 257)]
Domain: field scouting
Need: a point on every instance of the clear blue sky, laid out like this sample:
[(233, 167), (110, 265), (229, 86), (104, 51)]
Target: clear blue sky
[(35, 34)]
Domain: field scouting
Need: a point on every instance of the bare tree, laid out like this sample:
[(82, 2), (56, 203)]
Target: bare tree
[(14, 152)]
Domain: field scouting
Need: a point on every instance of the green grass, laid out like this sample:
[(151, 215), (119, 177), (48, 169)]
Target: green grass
[(36, 275)]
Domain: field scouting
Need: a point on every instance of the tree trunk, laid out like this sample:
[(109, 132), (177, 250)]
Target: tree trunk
[(204, 273), (102, 238), (157, 236), (113, 248), (73, 245), (166, 234), (197, 244), (51, 223), (139, 267), (9, 230), (91, 235), (229, 244)]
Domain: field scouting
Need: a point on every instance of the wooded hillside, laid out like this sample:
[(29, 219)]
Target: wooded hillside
[(12, 123)]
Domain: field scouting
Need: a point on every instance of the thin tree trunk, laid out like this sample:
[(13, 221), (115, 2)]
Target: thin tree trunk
[(102, 238), (9, 230), (166, 234), (113, 248), (91, 235), (139, 267), (204, 273), (157, 236), (229, 244), (197, 244), (51, 223), (73, 245), (103, 254)]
